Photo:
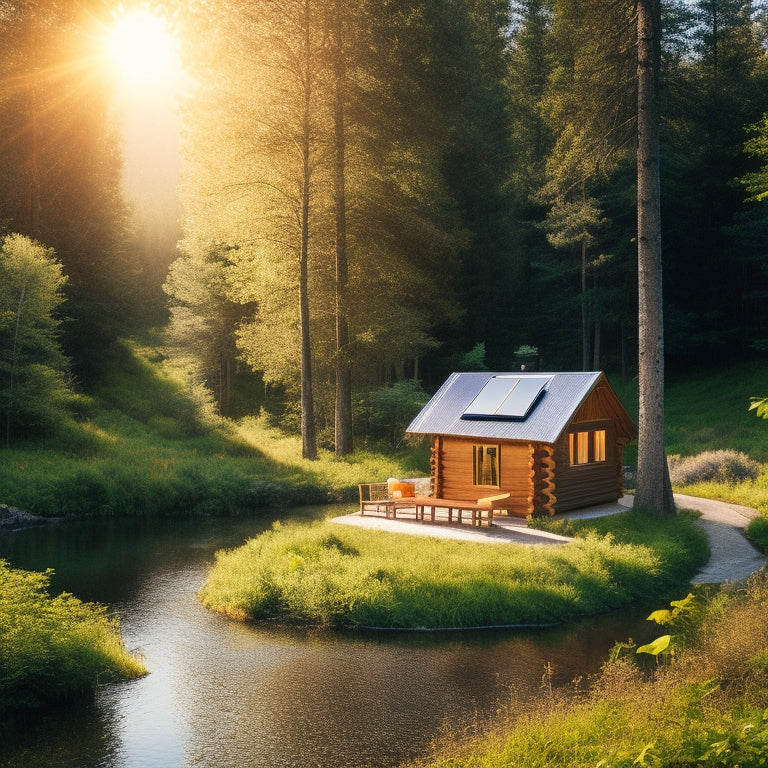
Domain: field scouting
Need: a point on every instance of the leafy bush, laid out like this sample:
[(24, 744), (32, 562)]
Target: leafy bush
[(757, 532), (721, 466), (385, 413), (52, 648)]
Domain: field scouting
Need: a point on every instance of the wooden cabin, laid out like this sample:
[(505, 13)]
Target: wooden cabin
[(553, 441)]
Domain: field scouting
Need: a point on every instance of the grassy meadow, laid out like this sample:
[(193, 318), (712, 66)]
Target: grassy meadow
[(145, 444), (326, 573)]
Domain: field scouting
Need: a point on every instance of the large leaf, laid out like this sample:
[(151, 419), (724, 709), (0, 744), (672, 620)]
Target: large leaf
[(659, 646)]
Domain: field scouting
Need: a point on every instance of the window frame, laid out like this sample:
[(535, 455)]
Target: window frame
[(597, 448), (477, 468)]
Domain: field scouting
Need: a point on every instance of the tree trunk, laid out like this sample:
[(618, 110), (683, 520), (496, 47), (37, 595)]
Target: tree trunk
[(308, 436), (584, 317), (34, 201), (596, 345), (343, 409), (654, 492)]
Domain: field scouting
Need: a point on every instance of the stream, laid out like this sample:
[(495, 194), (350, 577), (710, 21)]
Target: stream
[(222, 694)]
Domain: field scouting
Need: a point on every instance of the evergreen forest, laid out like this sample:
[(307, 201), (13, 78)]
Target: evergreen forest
[(374, 194)]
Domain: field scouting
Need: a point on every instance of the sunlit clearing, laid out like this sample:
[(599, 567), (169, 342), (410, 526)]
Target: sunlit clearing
[(144, 51)]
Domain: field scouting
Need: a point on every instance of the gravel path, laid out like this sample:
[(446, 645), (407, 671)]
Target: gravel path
[(733, 557)]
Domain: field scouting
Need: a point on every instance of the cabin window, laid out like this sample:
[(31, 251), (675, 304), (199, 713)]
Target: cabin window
[(587, 447), (485, 464), (599, 444)]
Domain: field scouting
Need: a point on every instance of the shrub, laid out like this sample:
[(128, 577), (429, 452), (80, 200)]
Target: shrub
[(721, 466), (33, 390), (53, 648), (385, 413), (757, 532)]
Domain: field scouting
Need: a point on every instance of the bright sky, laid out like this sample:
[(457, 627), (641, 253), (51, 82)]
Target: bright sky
[(149, 81)]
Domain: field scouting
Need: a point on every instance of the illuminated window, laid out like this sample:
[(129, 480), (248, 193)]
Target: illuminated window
[(485, 461), (587, 447), (579, 445), (599, 445)]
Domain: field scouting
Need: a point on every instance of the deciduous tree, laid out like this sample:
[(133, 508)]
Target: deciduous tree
[(32, 387)]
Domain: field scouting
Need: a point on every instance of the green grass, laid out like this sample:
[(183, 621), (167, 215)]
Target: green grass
[(146, 445), (704, 707), (54, 648), (327, 573), (709, 411)]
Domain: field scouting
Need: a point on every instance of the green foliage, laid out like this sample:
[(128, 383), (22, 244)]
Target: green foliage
[(386, 412), (684, 618), (33, 392), (756, 183), (52, 648), (757, 532), (333, 574), (474, 360), (760, 406)]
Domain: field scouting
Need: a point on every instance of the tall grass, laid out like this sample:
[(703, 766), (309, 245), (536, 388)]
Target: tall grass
[(332, 574), (52, 648), (705, 707)]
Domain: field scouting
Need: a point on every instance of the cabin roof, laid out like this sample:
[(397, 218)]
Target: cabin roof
[(547, 417)]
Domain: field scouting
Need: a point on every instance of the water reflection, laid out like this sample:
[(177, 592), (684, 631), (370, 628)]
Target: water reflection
[(223, 695)]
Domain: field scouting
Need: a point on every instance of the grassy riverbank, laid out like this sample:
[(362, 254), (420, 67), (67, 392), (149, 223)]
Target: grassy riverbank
[(327, 573), (146, 444), (54, 648), (705, 707)]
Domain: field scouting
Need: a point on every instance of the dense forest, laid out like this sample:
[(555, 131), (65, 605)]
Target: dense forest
[(377, 193)]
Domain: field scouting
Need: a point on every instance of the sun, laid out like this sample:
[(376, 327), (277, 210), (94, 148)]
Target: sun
[(143, 50)]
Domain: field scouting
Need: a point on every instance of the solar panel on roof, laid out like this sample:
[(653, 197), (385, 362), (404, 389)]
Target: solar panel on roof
[(507, 397)]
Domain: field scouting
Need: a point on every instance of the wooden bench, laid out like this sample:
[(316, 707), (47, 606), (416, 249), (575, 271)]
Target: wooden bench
[(375, 497)]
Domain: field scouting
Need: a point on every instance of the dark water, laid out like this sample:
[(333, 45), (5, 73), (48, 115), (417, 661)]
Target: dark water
[(226, 695)]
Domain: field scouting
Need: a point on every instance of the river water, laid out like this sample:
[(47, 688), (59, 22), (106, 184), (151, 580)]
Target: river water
[(221, 694)]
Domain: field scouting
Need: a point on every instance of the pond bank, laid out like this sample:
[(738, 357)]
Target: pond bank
[(222, 694), (16, 519)]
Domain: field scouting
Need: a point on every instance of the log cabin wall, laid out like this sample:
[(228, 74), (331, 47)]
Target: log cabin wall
[(595, 482), (435, 466), (542, 474), (457, 472)]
